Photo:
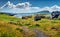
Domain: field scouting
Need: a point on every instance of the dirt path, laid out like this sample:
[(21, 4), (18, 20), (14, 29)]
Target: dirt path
[(38, 32)]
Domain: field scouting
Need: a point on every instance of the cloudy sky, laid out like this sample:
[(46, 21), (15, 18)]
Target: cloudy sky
[(40, 3), (29, 6)]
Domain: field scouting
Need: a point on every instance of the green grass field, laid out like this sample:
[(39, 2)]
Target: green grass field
[(49, 26)]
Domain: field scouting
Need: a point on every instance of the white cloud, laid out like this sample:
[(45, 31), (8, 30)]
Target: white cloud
[(55, 8), (25, 7), (45, 9), (9, 5), (51, 9), (20, 7)]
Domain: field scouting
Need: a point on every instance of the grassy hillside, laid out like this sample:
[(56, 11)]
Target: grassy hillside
[(12, 30), (11, 26)]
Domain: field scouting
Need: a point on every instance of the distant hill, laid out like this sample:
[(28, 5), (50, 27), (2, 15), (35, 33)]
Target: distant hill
[(11, 14), (43, 12)]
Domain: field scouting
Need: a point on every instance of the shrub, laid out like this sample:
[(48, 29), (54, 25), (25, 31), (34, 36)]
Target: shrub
[(37, 25), (27, 24), (19, 29)]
